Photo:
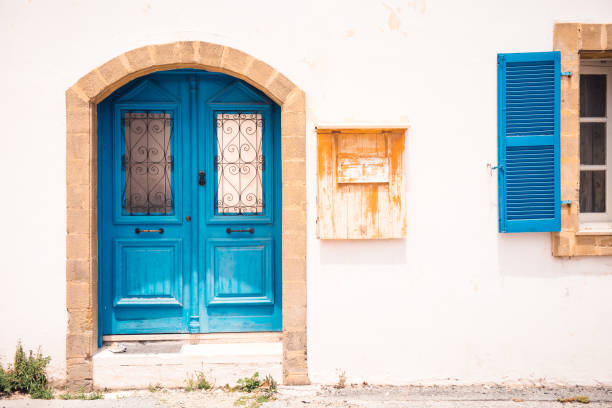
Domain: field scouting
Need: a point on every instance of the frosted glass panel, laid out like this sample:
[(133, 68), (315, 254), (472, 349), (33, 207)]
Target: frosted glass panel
[(239, 163), (147, 163)]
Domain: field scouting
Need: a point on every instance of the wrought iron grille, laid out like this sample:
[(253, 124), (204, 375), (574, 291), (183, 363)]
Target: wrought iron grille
[(239, 163), (147, 163)]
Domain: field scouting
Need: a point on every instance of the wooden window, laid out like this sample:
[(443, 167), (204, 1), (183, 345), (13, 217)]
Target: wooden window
[(595, 146), (361, 183)]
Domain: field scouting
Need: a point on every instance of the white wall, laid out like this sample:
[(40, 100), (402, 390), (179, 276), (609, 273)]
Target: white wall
[(454, 301)]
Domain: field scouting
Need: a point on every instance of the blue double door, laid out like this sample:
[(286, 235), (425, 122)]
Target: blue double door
[(189, 206)]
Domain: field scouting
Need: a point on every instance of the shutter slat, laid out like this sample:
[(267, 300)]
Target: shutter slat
[(528, 141)]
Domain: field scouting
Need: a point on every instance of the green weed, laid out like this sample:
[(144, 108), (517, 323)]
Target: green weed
[(82, 395), (259, 391), (198, 382), (583, 399), (28, 375)]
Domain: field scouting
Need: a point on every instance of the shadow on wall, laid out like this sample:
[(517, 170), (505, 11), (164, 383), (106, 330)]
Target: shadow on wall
[(363, 252), (530, 255)]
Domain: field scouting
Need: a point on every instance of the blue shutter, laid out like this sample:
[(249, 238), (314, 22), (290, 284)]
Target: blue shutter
[(528, 141)]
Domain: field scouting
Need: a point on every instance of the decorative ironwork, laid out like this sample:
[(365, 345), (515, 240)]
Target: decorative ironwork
[(147, 163), (239, 163)]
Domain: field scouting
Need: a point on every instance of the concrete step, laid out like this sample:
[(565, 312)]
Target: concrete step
[(141, 366)]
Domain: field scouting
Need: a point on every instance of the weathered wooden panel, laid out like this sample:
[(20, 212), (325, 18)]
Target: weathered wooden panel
[(363, 170), (361, 183)]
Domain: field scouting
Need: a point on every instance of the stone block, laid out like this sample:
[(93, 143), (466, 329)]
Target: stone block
[(92, 84), (78, 270), (78, 146), (79, 372), (294, 222), (78, 196), (295, 361), (235, 61), (78, 246), (294, 147), (260, 73), (280, 87), (294, 269), (75, 101), (77, 172), (294, 340), (294, 293), (294, 195), (293, 123), (590, 37), (140, 59), (296, 379), (296, 101), (565, 37), (79, 221), (114, 70), (78, 296), (79, 345), (185, 51), (165, 54), (78, 120), (209, 54), (80, 320), (294, 320)]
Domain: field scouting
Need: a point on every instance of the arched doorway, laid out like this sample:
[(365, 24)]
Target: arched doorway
[(82, 101)]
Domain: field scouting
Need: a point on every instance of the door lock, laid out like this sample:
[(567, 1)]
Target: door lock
[(202, 178)]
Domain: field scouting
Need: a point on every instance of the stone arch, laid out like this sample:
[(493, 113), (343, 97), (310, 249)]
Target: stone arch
[(81, 184)]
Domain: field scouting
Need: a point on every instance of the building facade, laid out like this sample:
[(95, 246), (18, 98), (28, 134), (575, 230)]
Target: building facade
[(332, 182)]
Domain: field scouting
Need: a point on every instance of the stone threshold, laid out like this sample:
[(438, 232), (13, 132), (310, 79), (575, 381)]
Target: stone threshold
[(199, 338), (169, 363)]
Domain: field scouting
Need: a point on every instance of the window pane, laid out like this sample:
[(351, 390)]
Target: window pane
[(147, 163), (592, 191), (592, 95), (592, 143), (239, 163)]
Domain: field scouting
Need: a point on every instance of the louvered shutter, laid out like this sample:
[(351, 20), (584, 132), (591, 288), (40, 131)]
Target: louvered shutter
[(528, 141)]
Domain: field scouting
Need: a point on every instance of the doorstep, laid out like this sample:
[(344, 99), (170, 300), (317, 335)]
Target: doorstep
[(168, 363)]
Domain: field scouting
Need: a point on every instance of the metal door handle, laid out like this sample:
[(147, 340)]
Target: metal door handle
[(138, 230), (250, 230)]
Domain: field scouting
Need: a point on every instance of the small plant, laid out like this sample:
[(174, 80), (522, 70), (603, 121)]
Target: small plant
[(5, 382), (198, 382), (248, 384), (583, 399), (341, 380), (82, 395), (260, 390), (154, 388), (28, 375)]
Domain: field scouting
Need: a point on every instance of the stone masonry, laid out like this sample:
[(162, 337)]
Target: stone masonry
[(576, 41), (81, 180)]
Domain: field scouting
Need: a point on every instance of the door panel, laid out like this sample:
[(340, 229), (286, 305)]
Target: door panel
[(189, 206), (240, 272), (148, 273)]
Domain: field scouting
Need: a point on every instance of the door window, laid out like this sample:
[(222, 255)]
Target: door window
[(239, 164), (147, 163)]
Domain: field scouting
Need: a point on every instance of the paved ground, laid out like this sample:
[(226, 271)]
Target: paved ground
[(356, 396)]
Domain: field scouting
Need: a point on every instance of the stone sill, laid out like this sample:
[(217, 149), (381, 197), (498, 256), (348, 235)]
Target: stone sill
[(595, 229)]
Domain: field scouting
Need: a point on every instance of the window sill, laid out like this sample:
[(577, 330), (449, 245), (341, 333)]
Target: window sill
[(595, 229)]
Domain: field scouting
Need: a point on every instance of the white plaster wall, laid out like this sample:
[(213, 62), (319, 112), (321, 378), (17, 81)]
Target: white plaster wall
[(455, 301)]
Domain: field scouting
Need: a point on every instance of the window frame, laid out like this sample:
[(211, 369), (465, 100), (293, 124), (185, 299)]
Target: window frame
[(600, 221), (576, 42)]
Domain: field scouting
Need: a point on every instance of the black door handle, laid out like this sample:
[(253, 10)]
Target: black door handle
[(202, 178), (250, 230), (138, 230)]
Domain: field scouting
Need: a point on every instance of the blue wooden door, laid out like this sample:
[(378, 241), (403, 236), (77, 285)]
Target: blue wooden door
[(189, 206)]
